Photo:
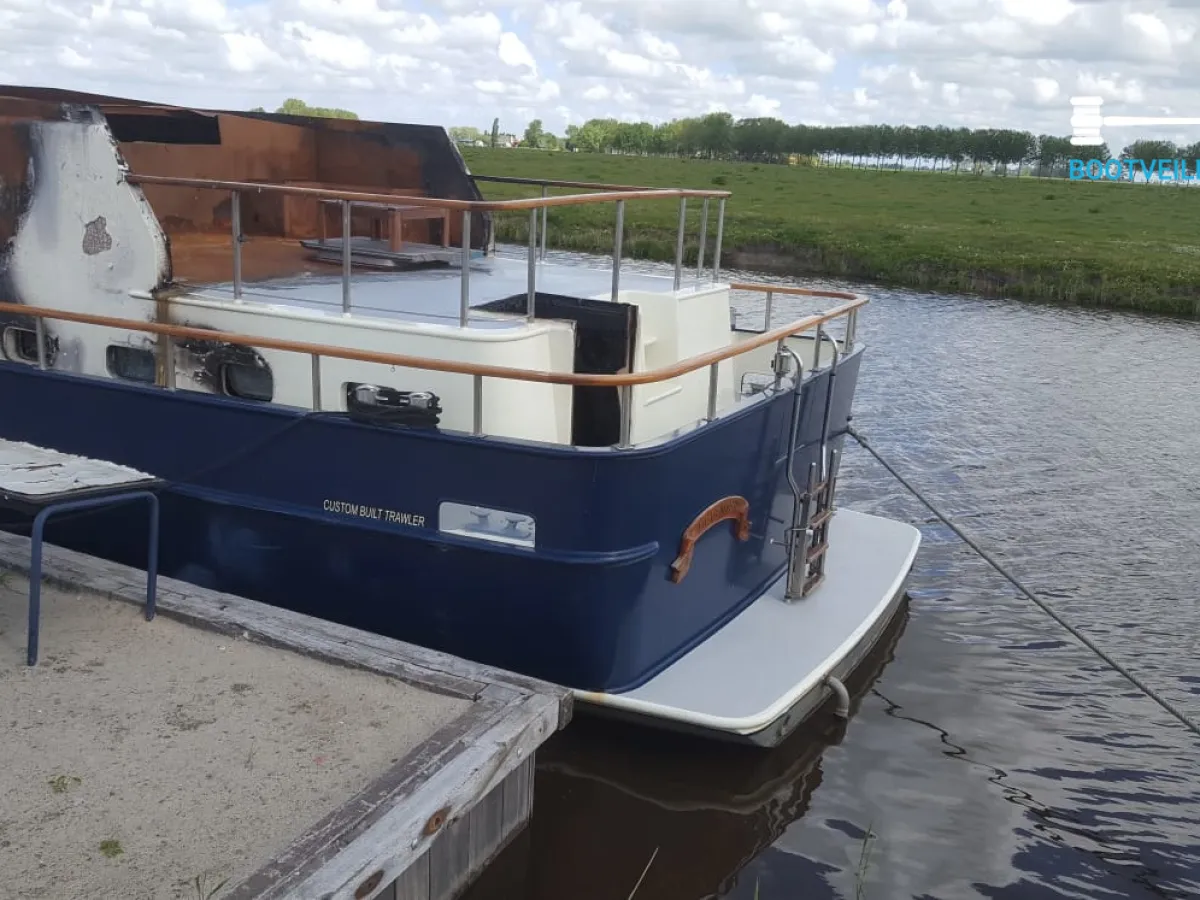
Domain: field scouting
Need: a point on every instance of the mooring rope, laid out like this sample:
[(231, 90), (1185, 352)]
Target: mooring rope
[(1075, 632)]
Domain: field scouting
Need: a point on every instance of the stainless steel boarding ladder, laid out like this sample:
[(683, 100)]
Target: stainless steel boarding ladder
[(807, 539)]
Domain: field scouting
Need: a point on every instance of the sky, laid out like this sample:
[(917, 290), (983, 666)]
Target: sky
[(973, 63)]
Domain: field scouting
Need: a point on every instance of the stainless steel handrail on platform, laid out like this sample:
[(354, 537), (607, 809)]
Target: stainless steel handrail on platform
[(680, 238), (608, 194)]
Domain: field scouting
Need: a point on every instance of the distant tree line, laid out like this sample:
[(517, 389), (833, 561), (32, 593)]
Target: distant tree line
[(294, 107), (535, 136), (769, 140)]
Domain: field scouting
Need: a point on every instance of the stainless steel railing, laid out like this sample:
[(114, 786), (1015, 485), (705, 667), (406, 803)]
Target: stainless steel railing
[(617, 194)]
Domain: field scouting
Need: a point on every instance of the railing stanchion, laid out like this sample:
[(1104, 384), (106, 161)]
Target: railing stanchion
[(780, 349), (626, 395), (345, 257), (477, 401), (712, 391), (169, 362), (40, 335), (235, 221), (817, 350), (679, 235), (316, 381), (767, 318), (616, 275), (464, 306), (703, 240), (720, 237), (851, 328), (545, 211), (531, 283)]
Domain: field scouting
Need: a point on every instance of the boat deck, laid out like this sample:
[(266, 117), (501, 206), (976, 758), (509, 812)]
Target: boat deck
[(430, 295), (229, 742), (763, 673)]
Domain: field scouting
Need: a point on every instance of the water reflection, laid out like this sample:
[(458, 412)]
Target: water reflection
[(621, 807), (994, 756)]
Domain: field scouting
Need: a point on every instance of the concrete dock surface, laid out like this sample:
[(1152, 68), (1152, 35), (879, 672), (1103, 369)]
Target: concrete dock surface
[(226, 743)]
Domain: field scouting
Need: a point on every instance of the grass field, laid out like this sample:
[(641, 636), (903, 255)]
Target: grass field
[(1095, 244)]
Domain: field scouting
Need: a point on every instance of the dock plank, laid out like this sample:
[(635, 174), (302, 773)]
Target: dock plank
[(27, 470), (405, 830)]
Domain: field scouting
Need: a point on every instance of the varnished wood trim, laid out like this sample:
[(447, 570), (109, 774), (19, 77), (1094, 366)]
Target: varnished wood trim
[(789, 290), (251, 187), (651, 376)]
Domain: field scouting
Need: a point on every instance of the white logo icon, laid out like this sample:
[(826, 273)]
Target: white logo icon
[(1087, 121)]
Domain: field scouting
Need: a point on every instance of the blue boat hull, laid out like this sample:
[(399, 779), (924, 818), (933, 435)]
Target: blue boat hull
[(316, 513)]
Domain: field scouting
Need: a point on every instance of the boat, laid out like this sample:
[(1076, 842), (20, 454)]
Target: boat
[(364, 411)]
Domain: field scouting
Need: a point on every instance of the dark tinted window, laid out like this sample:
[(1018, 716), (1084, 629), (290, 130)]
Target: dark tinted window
[(247, 382), (20, 344), (131, 363)]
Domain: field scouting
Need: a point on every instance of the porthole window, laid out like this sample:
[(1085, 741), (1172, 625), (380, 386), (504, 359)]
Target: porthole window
[(131, 363), (247, 382), (21, 344)]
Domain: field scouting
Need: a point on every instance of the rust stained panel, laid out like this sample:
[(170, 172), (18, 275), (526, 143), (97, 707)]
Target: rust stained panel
[(14, 180), (368, 159), (208, 258), (250, 150), (15, 193)]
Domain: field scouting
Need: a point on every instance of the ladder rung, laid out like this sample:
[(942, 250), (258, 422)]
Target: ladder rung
[(821, 518), (818, 550), (811, 584)]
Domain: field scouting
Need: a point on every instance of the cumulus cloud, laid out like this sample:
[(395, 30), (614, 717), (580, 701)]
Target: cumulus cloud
[(998, 63)]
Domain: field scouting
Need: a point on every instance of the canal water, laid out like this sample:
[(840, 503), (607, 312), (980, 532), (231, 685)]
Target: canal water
[(989, 754)]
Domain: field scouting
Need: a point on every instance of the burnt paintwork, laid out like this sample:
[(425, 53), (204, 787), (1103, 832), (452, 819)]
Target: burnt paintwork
[(206, 358), (17, 179), (16, 192)]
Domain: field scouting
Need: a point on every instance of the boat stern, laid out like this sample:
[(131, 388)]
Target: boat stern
[(780, 660)]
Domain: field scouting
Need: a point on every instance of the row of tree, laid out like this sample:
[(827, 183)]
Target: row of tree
[(293, 107), (769, 140)]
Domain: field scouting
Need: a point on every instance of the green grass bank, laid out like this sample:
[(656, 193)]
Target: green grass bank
[(1117, 246)]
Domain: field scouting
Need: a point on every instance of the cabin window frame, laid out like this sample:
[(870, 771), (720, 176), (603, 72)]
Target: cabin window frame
[(113, 350), (230, 390), (10, 345)]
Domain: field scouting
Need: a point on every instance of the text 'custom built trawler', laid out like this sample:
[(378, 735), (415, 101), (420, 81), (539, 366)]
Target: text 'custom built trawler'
[(365, 414)]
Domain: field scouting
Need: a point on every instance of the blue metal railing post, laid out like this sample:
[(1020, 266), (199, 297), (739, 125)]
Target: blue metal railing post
[(35, 563)]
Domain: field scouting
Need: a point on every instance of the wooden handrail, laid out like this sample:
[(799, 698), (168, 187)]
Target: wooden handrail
[(549, 182), (440, 365), (789, 290), (438, 202)]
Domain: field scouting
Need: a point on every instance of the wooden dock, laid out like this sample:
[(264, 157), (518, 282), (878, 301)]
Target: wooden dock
[(229, 741)]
